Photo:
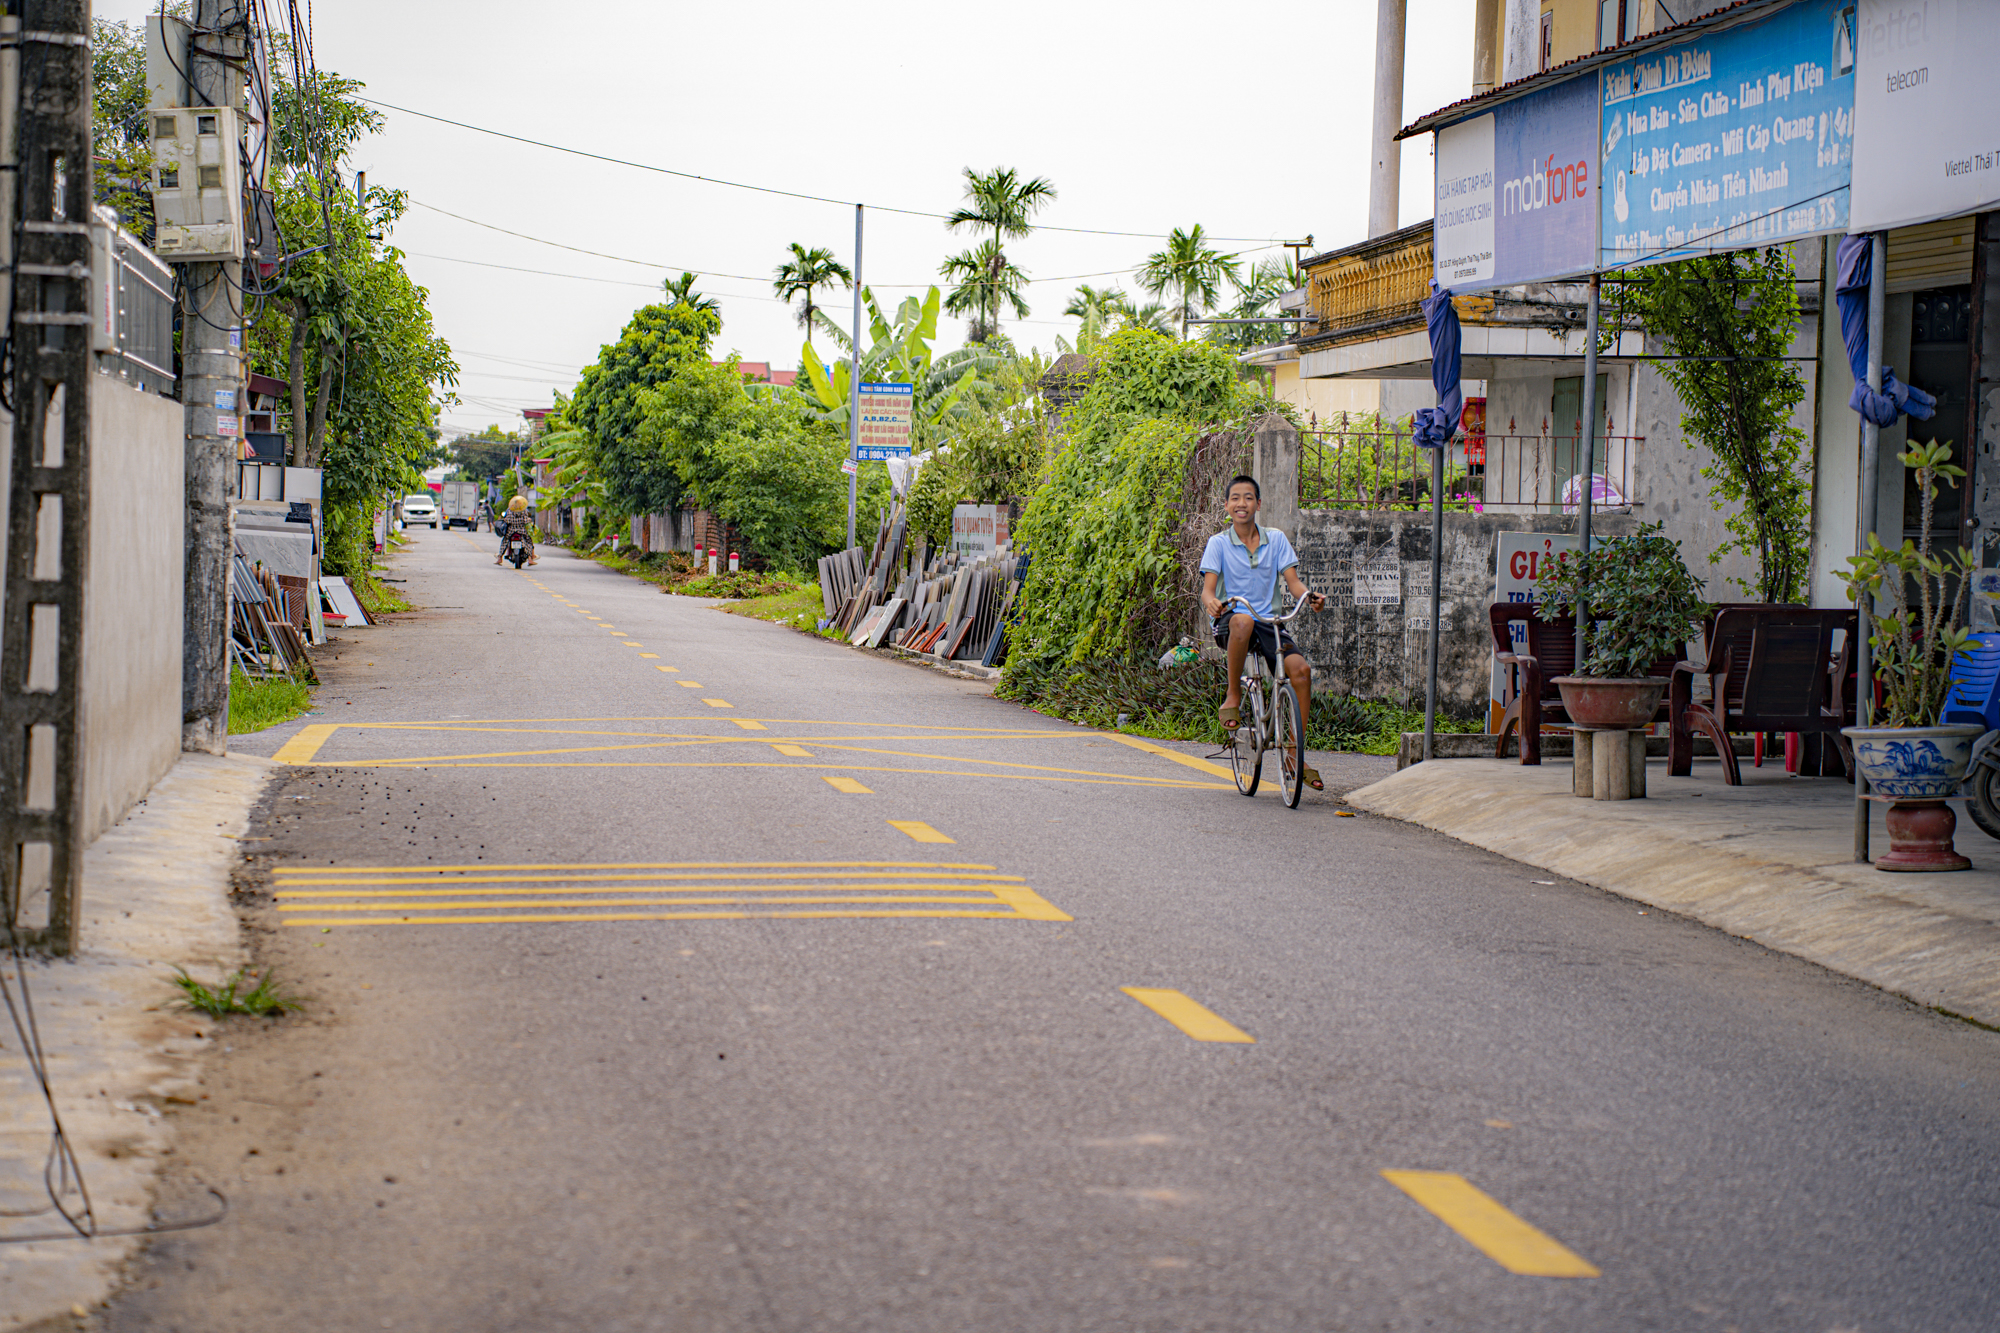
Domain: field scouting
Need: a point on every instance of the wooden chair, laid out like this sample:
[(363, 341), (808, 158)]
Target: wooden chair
[(1526, 691), (1770, 668)]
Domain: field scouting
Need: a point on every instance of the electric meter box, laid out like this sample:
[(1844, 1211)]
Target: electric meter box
[(197, 183)]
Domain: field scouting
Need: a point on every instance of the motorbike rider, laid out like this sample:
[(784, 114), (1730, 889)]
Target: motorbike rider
[(515, 520)]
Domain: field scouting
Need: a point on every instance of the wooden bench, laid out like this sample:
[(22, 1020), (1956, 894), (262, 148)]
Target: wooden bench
[(1771, 668), (1526, 691)]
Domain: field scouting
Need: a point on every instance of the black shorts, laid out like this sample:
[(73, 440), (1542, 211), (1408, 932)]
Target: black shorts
[(1261, 639)]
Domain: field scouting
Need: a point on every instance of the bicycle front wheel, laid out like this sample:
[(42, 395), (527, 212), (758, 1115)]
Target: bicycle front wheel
[(1246, 750), (1289, 740)]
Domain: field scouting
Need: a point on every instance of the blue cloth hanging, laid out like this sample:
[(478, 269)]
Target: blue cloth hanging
[(1853, 264), (1436, 425)]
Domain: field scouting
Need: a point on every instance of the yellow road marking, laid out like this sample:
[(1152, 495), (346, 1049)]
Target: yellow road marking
[(689, 684), (795, 751), (748, 725), (718, 703), (1491, 1229), (621, 883), (632, 865), (448, 761), (666, 668), (1200, 1023), (430, 905), (850, 786), (650, 655), (1165, 753), (1008, 914), (301, 748), (919, 830), (630, 644), (831, 744)]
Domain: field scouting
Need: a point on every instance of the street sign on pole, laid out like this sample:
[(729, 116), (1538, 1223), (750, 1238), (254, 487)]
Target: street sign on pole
[(886, 412)]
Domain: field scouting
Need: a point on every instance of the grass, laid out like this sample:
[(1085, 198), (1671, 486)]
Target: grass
[(376, 597), (266, 1000), (255, 704), (677, 572), (1179, 704)]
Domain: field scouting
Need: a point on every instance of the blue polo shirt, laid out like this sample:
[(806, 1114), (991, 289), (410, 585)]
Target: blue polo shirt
[(1253, 577)]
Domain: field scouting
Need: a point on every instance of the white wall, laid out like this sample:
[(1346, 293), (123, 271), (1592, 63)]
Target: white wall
[(132, 623)]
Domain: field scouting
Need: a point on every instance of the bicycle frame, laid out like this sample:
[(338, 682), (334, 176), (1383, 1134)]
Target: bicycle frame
[(1259, 730)]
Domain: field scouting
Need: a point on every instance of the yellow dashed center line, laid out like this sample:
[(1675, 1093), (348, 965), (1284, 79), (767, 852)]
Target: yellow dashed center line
[(650, 655), (718, 703), (668, 668), (1201, 1023), (1490, 1228), (850, 786), (919, 830), (795, 751), (689, 684)]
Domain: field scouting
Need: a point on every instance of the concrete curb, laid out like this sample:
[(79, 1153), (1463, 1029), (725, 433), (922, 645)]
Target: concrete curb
[(155, 897), (1731, 861)]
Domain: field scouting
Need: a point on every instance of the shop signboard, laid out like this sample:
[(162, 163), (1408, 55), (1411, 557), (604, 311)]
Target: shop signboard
[(1518, 566), (884, 432), (1739, 136), (1515, 189), (1926, 111), (978, 530)]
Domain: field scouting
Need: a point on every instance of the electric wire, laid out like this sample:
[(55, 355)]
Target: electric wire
[(768, 189)]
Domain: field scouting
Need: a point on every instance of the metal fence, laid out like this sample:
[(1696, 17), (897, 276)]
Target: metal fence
[(1367, 463)]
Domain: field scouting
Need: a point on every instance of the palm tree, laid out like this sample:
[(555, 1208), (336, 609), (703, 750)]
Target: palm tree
[(1190, 267), (680, 291), (982, 278), (1271, 279), (805, 272), (1001, 200), (1152, 316)]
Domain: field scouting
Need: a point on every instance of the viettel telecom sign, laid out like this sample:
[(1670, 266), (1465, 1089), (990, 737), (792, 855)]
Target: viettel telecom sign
[(886, 410), (1517, 191)]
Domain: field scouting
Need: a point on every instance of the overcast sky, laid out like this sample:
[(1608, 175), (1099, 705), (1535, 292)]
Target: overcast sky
[(1145, 117)]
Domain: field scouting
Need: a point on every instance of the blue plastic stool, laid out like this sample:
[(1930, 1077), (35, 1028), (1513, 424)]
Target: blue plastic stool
[(1975, 683)]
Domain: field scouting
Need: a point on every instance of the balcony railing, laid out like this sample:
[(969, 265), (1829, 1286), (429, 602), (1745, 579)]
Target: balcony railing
[(1372, 464)]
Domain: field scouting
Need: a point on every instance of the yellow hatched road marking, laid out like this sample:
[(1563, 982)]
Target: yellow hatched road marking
[(718, 703), (1175, 755), (291, 887), (919, 830), (850, 786), (632, 865), (795, 751), (1201, 1023), (301, 748), (1491, 1229), (689, 684), (1004, 914), (748, 725)]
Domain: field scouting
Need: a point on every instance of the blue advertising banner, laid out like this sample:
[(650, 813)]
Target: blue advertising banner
[(1736, 138), (1515, 191)]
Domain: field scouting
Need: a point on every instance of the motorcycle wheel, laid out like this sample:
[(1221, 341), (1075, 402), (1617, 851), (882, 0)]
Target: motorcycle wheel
[(1984, 807)]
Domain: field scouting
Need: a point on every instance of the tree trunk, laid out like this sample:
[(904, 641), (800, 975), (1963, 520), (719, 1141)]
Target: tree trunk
[(316, 435)]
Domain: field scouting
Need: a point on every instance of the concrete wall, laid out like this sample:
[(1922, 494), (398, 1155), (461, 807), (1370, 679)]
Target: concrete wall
[(1380, 652), (132, 624)]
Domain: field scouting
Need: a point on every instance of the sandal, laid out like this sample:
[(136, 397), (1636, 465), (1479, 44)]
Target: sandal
[(1311, 776), (1231, 718)]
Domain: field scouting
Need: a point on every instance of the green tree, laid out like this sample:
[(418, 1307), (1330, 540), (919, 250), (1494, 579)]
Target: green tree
[(660, 342), (805, 273), (983, 279), (999, 201), (899, 352), (118, 130), (1256, 295), (484, 454), (1190, 266), (1733, 317), (680, 291)]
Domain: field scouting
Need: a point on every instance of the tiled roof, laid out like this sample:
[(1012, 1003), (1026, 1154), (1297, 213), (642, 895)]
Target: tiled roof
[(1569, 69)]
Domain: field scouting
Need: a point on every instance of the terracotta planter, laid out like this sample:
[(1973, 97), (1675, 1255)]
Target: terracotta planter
[(1917, 766), (1611, 703)]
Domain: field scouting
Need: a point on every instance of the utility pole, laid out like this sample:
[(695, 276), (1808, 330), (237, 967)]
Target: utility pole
[(48, 518), (1385, 169), (212, 357), (854, 386)]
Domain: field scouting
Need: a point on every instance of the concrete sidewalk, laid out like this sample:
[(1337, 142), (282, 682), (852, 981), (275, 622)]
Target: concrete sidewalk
[(155, 897), (1770, 861)]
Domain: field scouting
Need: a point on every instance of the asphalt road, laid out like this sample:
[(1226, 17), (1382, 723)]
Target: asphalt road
[(675, 971)]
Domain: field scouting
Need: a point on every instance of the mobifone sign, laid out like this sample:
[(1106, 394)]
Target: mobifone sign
[(1738, 137), (1515, 191), (1927, 112)]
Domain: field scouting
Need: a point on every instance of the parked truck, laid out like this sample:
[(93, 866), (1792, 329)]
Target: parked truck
[(459, 503)]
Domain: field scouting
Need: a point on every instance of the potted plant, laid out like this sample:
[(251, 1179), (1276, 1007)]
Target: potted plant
[(1642, 604), (1913, 757)]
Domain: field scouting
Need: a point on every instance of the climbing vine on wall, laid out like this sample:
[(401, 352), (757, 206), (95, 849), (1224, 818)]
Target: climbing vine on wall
[(1732, 317)]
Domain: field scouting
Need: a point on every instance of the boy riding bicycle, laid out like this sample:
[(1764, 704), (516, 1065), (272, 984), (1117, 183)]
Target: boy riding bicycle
[(1246, 561)]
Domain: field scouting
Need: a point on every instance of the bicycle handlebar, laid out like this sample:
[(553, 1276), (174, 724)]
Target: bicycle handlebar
[(1304, 602)]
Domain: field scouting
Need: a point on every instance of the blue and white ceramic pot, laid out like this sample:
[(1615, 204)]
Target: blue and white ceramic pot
[(1914, 763)]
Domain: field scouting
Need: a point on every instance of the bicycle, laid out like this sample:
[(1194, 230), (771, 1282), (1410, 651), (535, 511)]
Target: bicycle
[(1280, 725)]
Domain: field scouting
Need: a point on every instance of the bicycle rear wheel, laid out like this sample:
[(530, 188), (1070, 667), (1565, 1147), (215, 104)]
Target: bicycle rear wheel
[(1288, 739), (1246, 745)]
